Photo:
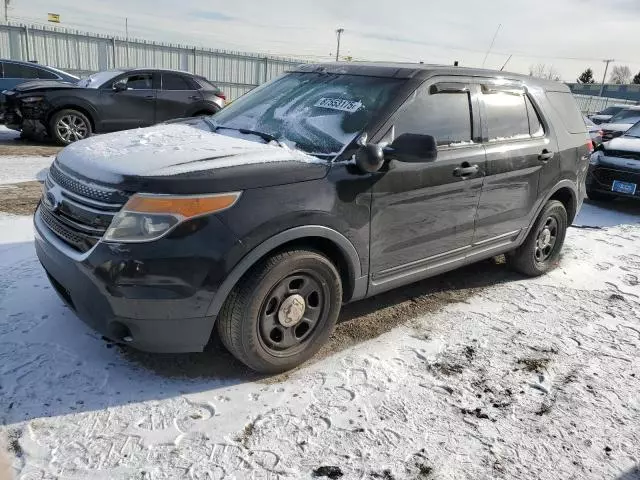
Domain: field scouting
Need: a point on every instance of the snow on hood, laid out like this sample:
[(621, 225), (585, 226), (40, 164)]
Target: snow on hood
[(168, 149), (625, 144)]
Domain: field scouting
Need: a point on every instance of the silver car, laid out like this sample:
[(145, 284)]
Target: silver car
[(595, 132), (605, 115), (620, 123)]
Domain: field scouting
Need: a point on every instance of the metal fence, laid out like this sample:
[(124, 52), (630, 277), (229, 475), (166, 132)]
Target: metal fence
[(589, 104), (83, 53)]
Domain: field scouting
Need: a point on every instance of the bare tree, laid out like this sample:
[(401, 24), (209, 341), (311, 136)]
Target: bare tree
[(548, 72), (620, 75)]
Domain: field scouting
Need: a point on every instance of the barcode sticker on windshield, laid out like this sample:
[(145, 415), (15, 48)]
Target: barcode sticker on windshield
[(339, 104)]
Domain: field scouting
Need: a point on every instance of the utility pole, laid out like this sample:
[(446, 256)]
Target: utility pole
[(604, 79), (339, 32), (6, 10)]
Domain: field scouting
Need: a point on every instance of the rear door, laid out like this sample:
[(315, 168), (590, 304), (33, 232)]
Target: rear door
[(177, 97), (131, 108), (423, 213), (519, 149)]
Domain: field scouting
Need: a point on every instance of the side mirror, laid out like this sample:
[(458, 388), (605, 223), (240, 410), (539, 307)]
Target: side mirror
[(120, 86), (413, 148), (370, 157)]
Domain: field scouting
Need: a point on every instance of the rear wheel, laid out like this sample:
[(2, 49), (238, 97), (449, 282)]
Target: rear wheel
[(68, 126), (282, 311), (541, 249)]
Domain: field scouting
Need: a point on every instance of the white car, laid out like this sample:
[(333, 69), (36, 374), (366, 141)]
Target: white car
[(620, 123), (605, 115)]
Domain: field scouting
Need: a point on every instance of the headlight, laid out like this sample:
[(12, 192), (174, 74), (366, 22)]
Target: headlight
[(31, 99), (148, 217)]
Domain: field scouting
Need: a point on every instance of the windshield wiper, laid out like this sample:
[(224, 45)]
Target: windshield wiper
[(267, 137)]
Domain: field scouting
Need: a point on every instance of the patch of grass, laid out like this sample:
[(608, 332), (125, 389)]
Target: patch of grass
[(534, 364), (14, 442), (424, 470), (447, 368), (246, 433)]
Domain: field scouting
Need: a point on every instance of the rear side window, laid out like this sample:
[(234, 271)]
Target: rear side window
[(171, 81), (506, 115), (446, 116), (565, 105), (15, 70)]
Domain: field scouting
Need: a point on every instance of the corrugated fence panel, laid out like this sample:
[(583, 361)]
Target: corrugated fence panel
[(83, 53)]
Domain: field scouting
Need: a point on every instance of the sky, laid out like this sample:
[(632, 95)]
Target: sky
[(569, 35)]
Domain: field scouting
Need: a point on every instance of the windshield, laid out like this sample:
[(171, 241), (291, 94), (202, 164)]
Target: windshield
[(610, 111), (634, 131), (98, 79), (317, 113), (625, 116)]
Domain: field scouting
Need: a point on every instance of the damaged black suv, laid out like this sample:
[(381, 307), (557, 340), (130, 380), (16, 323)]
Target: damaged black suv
[(327, 185)]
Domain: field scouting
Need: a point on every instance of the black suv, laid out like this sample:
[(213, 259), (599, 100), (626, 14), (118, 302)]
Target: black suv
[(327, 185)]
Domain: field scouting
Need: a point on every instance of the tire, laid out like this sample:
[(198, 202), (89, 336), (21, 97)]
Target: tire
[(257, 322), (540, 251), (600, 197), (68, 126)]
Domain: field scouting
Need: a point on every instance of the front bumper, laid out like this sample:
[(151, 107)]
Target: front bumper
[(600, 177), (153, 297)]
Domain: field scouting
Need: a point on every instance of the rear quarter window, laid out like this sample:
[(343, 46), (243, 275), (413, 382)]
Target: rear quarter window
[(565, 105)]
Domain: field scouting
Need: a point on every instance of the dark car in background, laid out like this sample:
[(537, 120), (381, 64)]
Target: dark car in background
[(614, 169), (605, 115), (108, 101), (13, 73), (329, 184), (620, 123)]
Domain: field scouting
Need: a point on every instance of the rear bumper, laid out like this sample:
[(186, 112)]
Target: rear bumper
[(145, 309)]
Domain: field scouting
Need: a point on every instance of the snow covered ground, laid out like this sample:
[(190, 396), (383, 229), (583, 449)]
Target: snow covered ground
[(23, 169), (507, 377)]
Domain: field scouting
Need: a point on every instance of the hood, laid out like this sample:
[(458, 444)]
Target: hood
[(43, 85), (186, 157), (624, 144), (616, 127)]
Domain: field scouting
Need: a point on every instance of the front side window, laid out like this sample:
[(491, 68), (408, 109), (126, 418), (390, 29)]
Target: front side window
[(142, 81), (318, 113), (446, 116)]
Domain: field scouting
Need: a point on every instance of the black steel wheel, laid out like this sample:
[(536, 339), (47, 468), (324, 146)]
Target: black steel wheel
[(68, 126), (541, 249), (282, 311)]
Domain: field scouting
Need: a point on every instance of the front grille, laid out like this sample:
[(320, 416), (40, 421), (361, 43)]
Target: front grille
[(85, 189), (621, 154), (606, 176), (72, 212)]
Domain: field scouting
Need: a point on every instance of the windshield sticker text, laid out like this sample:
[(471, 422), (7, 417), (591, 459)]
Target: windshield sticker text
[(339, 104)]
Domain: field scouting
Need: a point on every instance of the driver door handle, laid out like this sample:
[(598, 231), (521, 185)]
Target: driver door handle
[(545, 156), (466, 170)]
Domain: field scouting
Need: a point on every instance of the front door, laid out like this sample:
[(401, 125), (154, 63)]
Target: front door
[(518, 151), (131, 108), (176, 98), (423, 213)]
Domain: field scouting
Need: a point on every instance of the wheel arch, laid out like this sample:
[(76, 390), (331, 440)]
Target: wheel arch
[(327, 241), (564, 191)]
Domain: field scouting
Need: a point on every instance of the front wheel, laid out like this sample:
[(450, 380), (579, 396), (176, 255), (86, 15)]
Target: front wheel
[(282, 311), (540, 251), (68, 126)]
